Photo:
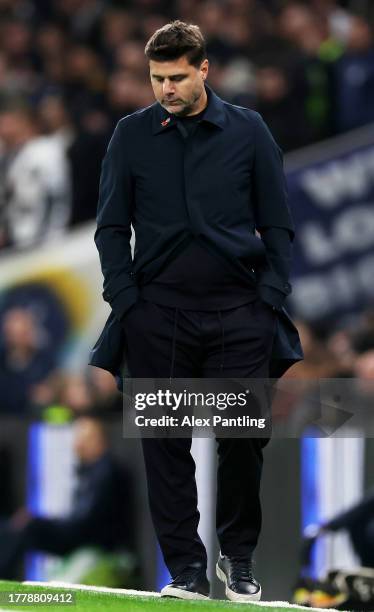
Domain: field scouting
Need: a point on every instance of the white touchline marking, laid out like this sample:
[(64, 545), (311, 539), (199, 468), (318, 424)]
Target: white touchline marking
[(86, 587)]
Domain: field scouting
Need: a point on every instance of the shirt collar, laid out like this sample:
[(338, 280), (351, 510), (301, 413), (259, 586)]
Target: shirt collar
[(214, 113)]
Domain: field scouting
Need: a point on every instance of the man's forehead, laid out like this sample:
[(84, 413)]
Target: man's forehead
[(170, 68)]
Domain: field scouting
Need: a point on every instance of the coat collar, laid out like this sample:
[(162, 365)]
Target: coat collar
[(214, 114)]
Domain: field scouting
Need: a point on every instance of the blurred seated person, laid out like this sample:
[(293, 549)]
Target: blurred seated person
[(358, 521), (108, 400), (91, 392), (24, 361), (101, 513)]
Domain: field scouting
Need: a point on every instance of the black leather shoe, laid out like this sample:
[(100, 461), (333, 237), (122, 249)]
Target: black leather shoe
[(237, 575), (192, 583)]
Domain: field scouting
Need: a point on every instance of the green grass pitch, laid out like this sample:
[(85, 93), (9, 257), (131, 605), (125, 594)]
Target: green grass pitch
[(117, 600)]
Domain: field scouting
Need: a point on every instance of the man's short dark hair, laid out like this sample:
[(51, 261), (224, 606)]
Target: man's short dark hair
[(175, 40)]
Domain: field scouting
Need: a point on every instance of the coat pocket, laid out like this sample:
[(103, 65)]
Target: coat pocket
[(107, 352)]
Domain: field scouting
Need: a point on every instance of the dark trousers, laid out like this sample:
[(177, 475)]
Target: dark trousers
[(235, 343)]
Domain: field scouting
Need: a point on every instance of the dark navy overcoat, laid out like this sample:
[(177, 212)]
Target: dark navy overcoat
[(223, 186)]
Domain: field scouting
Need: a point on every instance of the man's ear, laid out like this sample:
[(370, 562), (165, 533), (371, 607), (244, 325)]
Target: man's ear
[(204, 68)]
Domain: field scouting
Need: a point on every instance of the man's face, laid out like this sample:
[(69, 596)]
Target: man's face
[(178, 86), (10, 127)]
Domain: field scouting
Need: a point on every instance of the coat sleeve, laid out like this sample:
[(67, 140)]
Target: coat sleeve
[(113, 233), (272, 216)]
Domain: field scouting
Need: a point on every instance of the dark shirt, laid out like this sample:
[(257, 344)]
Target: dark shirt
[(190, 122), (196, 280)]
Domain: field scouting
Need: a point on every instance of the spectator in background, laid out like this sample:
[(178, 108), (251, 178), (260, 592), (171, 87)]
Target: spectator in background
[(84, 143), (117, 26), (35, 196), (85, 80), (51, 44), (101, 512), (76, 394), (276, 101), (321, 360), (338, 18), (108, 400), (127, 93), (347, 354), (17, 44), (358, 522), (213, 18), (90, 393), (354, 78), (24, 361), (55, 121), (314, 52), (82, 18)]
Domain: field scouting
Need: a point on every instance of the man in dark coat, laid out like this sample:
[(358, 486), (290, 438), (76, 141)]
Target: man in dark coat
[(203, 295)]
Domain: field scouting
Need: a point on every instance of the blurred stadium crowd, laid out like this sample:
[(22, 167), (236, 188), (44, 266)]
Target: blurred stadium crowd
[(69, 69)]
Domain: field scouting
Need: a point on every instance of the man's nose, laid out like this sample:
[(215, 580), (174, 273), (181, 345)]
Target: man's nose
[(169, 87)]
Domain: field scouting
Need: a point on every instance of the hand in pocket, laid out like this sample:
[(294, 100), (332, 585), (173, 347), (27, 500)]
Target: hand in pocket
[(131, 313)]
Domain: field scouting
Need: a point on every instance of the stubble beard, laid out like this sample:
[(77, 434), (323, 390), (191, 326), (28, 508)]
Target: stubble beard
[(188, 106)]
